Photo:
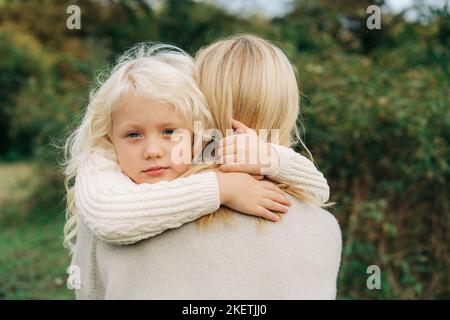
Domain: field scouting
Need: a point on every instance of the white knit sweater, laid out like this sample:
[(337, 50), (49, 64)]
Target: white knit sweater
[(119, 211)]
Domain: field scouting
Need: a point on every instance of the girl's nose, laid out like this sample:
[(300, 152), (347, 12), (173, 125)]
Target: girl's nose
[(153, 150)]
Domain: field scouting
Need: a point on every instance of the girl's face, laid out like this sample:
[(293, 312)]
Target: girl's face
[(149, 137)]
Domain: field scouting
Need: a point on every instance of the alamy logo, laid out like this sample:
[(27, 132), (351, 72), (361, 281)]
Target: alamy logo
[(74, 20), (74, 279), (374, 20), (374, 280)]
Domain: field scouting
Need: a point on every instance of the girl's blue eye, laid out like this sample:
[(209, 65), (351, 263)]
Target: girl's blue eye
[(133, 135), (168, 131)]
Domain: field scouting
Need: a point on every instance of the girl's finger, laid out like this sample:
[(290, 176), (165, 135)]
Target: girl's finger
[(228, 140), (238, 168), (231, 167), (271, 186), (258, 176), (274, 206), (237, 125), (275, 196), (264, 213), (249, 138), (227, 151), (229, 159)]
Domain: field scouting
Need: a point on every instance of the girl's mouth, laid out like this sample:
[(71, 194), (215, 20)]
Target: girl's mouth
[(155, 171)]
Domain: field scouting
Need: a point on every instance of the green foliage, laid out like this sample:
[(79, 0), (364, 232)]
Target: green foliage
[(381, 134), (33, 263), (374, 105)]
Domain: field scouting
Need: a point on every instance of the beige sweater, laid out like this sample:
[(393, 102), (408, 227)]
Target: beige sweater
[(114, 209), (297, 257)]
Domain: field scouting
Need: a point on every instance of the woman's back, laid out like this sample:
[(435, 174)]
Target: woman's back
[(297, 257)]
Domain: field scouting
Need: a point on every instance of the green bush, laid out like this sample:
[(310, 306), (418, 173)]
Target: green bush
[(381, 134)]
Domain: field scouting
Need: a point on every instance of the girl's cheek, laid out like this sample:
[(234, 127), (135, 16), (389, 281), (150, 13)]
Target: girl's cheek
[(180, 152), (180, 169)]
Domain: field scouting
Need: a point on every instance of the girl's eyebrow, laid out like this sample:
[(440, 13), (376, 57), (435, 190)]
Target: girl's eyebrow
[(129, 124), (168, 124), (165, 124), (174, 123)]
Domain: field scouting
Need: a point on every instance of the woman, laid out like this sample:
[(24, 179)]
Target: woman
[(296, 258)]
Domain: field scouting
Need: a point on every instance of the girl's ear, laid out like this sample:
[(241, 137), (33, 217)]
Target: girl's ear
[(110, 129), (109, 135), (111, 124)]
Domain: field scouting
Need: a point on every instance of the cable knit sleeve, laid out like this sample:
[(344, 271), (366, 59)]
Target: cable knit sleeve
[(119, 211), (297, 169)]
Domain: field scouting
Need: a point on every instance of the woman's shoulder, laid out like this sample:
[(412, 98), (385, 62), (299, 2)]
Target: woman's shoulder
[(318, 218)]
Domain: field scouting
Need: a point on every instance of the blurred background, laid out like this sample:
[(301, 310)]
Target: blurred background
[(375, 112)]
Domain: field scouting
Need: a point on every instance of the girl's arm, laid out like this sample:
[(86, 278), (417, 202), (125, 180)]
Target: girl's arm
[(284, 164), (119, 211), (301, 172)]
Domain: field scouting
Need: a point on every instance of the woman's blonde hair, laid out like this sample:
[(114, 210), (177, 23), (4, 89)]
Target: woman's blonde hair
[(161, 72), (251, 80)]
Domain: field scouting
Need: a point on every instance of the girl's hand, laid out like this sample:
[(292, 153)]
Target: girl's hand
[(245, 152), (244, 193)]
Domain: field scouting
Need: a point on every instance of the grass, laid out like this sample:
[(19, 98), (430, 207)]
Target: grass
[(15, 182), (32, 260)]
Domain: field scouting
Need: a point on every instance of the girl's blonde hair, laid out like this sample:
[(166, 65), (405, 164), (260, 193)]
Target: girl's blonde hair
[(160, 72), (251, 80)]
